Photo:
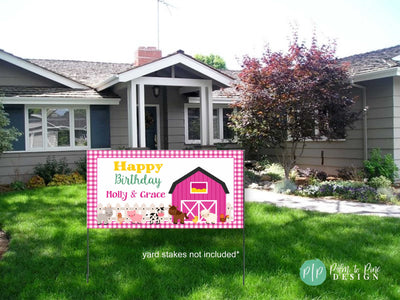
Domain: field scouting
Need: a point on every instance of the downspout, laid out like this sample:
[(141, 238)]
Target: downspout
[(365, 120)]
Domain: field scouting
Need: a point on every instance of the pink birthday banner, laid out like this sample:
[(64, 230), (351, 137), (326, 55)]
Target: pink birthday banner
[(165, 189)]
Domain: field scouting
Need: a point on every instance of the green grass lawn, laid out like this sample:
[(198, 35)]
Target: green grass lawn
[(47, 255)]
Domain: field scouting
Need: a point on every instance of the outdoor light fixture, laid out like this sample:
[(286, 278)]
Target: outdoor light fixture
[(156, 91)]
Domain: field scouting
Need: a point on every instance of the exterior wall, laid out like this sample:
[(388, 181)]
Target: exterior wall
[(330, 156), (119, 121), (11, 75), (19, 166), (396, 120), (175, 115)]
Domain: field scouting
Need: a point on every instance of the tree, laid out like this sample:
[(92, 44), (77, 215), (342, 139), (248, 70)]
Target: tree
[(7, 134), (288, 98), (212, 60)]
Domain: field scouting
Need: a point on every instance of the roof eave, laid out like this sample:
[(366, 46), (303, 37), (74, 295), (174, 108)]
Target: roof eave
[(24, 64), (392, 72)]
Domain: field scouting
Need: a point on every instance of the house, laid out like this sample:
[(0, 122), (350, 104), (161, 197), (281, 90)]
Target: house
[(64, 108), (199, 190), (376, 83)]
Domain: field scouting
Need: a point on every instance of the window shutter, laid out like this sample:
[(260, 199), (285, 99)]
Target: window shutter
[(100, 126)]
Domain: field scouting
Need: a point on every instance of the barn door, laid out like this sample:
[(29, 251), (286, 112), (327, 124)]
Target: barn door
[(194, 207)]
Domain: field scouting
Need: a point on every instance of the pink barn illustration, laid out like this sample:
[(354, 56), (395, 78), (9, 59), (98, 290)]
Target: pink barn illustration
[(199, 190)]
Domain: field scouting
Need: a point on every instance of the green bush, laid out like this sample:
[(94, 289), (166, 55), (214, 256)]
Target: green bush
[(36, 182), (379, 182), (285, 187), (81, 166), (274, 176), (380, 166), (250, 176), (17, 185), (51, 168), (386, 194), (63, 179)]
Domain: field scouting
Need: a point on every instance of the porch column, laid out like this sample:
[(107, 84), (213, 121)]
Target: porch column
[(142, 123), (203, 116), (132, 115), (210, 115)]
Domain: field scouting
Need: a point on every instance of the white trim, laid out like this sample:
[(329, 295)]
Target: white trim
[(132, 115), (376, 74), (142, 122), (45, 147), (178, 58), (218, 100), (204, 125), (24, 64), (59, 101), (220, 108), (164, 81)]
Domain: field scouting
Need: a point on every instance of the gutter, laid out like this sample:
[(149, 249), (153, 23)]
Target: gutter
[(365, 118)]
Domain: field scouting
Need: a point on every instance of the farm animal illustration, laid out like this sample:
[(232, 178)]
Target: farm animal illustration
[(209, 217), (134, 216), (106, 216), (223, 218), (156, 216), (120, 218), (177, 215), (195, 219)]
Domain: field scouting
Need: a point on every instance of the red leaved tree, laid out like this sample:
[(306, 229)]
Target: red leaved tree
[(289, 98)]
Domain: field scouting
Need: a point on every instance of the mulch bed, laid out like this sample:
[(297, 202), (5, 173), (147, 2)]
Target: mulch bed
[(3, 243)]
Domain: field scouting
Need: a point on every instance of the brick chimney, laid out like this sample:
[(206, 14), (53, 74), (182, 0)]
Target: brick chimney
[(144, 55)]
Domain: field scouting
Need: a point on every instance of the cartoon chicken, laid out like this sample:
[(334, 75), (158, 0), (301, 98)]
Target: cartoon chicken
[(196, 219), (120, 218)]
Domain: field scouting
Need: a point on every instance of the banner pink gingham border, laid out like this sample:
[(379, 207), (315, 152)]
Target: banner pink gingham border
[(93, 155)]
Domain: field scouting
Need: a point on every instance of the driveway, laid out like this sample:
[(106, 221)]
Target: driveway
[(322, 205)]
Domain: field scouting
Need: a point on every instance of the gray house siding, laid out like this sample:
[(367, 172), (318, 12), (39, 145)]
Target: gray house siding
[(175, 115), (396, 120), (381, 124), (10, 75), (19, 166)]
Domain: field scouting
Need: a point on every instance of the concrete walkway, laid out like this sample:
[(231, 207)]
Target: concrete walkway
[(322, 205)]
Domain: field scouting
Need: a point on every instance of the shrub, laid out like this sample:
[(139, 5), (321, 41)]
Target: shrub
[(379, 182), (63, 179), (81, 166), (36, 182), (285, 186), (250, 176), (377, 165), (17, 185), (276, 169), (341, 189), (321, 175), (52, 167), (274, 176), (386, 194), (351, 173)]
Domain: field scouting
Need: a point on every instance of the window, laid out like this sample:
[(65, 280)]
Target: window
[(198, 188), (221, 131), (57, 128)]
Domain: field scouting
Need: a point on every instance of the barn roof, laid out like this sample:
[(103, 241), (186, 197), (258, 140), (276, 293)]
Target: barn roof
[(198, 169)]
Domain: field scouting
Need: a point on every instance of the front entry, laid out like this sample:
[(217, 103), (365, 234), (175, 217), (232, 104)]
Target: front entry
[(151, 127)]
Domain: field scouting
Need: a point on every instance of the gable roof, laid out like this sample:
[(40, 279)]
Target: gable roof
[(179, 58), (39, 70), (198, 169), (86, 72)]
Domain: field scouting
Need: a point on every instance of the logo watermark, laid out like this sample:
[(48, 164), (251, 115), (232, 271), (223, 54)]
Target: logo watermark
[(313, 272)]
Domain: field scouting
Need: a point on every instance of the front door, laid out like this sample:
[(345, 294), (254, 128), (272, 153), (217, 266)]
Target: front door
[(151, 127)]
